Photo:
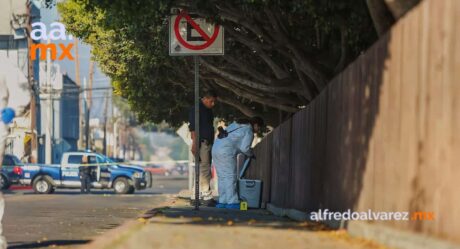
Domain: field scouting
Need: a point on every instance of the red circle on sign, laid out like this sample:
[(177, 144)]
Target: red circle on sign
[(184, 42)]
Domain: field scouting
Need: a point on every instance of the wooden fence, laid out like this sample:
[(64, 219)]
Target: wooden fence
[(384, 135)]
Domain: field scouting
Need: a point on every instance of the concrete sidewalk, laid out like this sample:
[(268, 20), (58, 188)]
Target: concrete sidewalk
[(177, 225)]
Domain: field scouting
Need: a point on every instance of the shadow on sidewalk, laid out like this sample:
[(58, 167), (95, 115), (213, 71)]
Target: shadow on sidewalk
[(47, 243), (183, 214)]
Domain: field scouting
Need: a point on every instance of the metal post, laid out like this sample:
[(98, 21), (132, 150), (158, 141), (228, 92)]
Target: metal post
[(30, 77), (104, 144), (49, 107), (88, 144), (197, 135), (81, 105), (86, 116)]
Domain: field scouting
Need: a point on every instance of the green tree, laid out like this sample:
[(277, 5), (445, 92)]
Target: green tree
[(279, 54)]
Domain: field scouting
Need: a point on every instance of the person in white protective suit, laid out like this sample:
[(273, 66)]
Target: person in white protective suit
[(237, 138), (14, 98)]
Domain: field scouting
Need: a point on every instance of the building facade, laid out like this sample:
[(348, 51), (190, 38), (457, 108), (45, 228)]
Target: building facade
[(14, 18), (59, 113)]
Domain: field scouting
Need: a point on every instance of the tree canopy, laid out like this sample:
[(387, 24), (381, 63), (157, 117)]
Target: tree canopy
[(278, 54)]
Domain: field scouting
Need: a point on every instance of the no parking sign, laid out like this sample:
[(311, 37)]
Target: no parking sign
[(193, 35)]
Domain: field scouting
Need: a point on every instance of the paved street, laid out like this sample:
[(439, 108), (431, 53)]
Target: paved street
[(68, 218)]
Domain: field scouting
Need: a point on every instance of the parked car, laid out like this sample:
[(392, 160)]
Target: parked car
[(123, 179), (11, 171), (157, 170), (180, 169)]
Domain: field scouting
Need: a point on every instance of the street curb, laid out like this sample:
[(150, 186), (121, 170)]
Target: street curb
[(291, 213), (120, 233), (387, 236), (152, 212)]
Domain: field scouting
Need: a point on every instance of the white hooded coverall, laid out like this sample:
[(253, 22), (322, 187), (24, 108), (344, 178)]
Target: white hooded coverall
[(14, 93), (224, 152)]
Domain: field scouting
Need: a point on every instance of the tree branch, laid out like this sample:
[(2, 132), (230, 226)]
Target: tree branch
[(308, 67), (246, 68), (278, 71), (306, 89), (380, 15), (262, 100), (233, 15), (242, 108), (250, 93), (259, 48), (247, 82), (343, 46)]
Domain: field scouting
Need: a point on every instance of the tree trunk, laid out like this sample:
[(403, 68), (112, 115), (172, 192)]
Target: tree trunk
[(381, 16), (399, 7)]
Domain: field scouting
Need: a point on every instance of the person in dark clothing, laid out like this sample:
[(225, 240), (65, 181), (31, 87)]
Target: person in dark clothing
[(85, 176), (206, 140)]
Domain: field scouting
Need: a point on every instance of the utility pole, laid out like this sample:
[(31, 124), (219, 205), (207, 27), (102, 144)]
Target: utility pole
[(80, 101), (104, 150), (87, 112), (89, 101), (115, 140), (77, 62), (30, 78), (90, 87), (48, 141), (114, 128), (88, 142)]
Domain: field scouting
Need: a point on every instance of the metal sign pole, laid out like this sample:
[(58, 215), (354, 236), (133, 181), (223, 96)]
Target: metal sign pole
[(197, 135)]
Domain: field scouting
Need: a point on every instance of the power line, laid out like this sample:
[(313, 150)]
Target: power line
[(83, 98), (83, 89), (75, 90)]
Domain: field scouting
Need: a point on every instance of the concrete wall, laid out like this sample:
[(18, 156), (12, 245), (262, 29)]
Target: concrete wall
[(383, 135)]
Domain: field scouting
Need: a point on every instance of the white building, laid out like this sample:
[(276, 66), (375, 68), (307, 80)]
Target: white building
[(14, 48)]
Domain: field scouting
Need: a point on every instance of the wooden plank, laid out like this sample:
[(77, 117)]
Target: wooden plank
[(451, 95), (428, 176), (284, 177), (364, 120), (276, 197), (267, 174), (332, 171), (300, 160), (381, 101), (319, 153), (391, 124), (408, 140)]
